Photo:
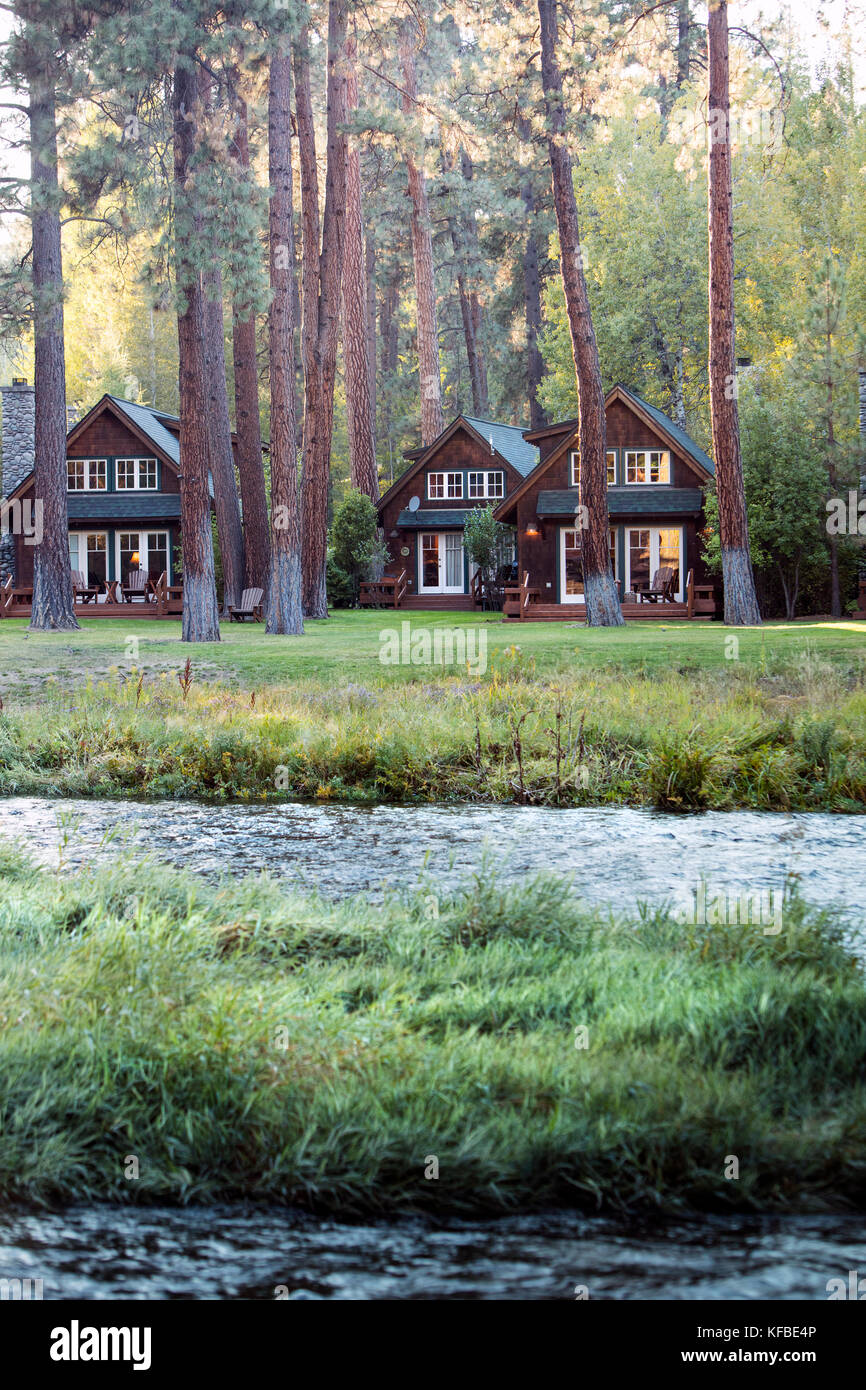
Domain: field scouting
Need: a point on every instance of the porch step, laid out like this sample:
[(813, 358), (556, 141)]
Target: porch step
[(440, 603), (573, 612)]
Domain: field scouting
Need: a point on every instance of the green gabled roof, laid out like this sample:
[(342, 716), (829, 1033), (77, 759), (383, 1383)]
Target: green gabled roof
[(123, 506), (440, 518), (150, 422), (631, 500), (508, 441), (685, 441)]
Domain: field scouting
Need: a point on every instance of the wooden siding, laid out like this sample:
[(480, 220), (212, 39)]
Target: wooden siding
[(460, 453)]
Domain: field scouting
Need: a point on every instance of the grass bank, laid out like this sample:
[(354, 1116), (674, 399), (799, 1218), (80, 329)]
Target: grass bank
[(235, 1041), (560, 715)]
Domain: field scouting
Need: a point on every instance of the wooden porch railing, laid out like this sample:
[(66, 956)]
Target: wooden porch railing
[(517, 597), (700, 598), (387, 592)]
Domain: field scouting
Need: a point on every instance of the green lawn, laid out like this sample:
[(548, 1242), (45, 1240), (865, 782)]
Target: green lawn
[(680, 717), (240, 1042), (347, 647)]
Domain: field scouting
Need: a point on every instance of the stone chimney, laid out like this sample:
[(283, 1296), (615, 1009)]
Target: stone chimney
[(18, 434)]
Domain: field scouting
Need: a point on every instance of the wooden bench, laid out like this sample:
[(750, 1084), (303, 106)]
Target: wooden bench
[(83, 592), (387, 592), (250, 606)]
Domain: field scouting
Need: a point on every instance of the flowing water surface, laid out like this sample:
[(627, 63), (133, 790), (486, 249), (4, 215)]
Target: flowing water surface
[(617, 857)]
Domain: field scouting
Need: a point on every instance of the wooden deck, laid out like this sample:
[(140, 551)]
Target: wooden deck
[(576, 613), (159, 600)]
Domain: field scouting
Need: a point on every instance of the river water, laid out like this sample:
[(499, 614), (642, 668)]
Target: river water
[(232, 1252), (617, 857)]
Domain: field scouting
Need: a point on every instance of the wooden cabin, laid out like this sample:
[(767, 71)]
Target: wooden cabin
[(122, 466), (473, 463), (656, 476), (656, 480)]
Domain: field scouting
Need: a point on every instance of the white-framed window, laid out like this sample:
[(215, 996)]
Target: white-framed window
[(611, 467), (647, 466), (86, 475), (147, 551), (137, 474), (444, 485), (88, 555), (487, 484)]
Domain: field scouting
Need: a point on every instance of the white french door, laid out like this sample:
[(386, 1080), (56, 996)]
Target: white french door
[(88, 555), (570, 567), (141, 550), (571, 564), (441, 562), (647, 549)]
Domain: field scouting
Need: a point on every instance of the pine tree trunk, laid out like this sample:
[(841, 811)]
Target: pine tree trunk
[(200, 611), (741, 604), (285, 612), (53, 599), (370, 280), (257, 544), (322, 277), (602, 603), (432, 418), (531, 292), (835, 594), (389, 338), (473, 263), (359, 407), (222, 464), (465, 244), (683, 36)]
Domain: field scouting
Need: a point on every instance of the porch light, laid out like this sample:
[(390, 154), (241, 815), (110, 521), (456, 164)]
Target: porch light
[(532, 530)]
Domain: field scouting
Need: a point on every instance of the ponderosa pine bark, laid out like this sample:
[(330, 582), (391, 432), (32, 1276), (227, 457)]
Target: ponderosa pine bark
[(432, 418), (370, 260), (322, 272), (200, 610), (251, 473), (535, 368), (285, 612), (359, 407), (222, 463), (741, 604), (53, 599), (465, 243), (602, 603)]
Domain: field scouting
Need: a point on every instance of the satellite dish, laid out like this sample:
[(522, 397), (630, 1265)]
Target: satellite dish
[(414, 503)]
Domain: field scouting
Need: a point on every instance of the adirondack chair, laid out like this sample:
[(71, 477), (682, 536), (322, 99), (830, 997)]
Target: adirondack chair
[(136, 585), (84, 592), (250, 606), (662, 588)]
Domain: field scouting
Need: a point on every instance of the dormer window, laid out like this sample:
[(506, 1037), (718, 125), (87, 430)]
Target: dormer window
[(647, 466), (442, 485), (575, 468), (482, 485), (136, 475), (86, 475)]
